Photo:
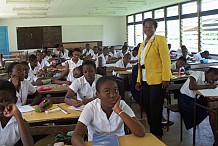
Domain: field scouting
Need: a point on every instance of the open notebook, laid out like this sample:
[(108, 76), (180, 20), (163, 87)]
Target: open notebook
[(209, 92), (104, 140)]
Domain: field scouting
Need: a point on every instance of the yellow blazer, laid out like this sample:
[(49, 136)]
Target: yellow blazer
[(156, 61)]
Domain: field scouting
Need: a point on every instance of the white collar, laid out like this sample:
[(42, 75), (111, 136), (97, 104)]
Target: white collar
[(152, 37)]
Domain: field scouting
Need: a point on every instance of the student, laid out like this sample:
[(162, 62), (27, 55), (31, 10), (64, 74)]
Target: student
[(198, 80), (200, 55), (46, 55), (23, 86), (13, 126), (178, 65), (42, 63), (185, 53), (63, 53), (121, 53), (106, 114), (122, 65), (134, 56), (113, 53), (179, 51), (74, 62), (101, 60), (105, 53), (70, 54), (2, 61), (56, 51), (29, 75), (87, 53), (95, 56), (84, 86), (34, 66)]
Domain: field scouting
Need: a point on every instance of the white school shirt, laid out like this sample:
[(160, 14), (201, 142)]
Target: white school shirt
[(134, 58), (88, 52), (55, 51), (83, 89), (197, 57), (120, 64), (31, 77), (200, 80), (97, 122), (35, 70), (120, 53), (113, 55), (9, 135), (25, 88), (65, 54), (72, 65), (173, 66), (179, 52), (43, 63), (103, 60), (47, 57), (1, 62), (142, 58)]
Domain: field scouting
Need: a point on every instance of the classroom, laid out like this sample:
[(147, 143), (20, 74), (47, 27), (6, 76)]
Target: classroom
[(129, 72)]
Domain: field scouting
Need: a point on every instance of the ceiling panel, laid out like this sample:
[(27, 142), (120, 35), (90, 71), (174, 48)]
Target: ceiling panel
[(74, 8)]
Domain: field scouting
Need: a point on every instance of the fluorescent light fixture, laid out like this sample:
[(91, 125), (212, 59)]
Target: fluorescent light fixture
[(111, 8), (31, 14), (102, 13), (27, 1), (132, 2), (30, 8)]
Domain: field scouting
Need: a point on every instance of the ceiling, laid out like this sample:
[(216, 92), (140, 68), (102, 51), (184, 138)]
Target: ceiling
[(76, 8)]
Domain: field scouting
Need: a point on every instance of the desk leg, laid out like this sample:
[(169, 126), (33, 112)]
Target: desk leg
[(195, 118)]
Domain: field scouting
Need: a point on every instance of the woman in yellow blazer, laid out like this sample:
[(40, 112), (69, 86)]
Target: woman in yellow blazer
[(153, 74)]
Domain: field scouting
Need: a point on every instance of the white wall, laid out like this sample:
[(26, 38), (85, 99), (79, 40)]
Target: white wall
[(112, 29)]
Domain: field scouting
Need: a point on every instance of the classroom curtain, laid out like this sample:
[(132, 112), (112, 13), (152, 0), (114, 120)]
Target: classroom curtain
[(4, 47)]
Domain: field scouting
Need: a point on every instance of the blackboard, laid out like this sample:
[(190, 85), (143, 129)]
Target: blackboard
[(38, 37)]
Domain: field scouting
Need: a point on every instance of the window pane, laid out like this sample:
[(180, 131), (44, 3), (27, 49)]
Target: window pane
[(130, 19), (172, 11), (210, 33), (160, 28), (131, 35), (173, 34), (138, 17), (159, 13), (139, 33), (148, 15), (208, 5), (190, 33), (189, 8)]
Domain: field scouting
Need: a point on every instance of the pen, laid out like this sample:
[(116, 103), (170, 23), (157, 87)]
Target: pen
[(64, 111)]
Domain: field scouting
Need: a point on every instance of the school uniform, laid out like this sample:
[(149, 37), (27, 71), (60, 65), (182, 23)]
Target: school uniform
[(1, 64), (31, 77), (186, 101), (35, 70), (65, 54), (197, 57), (135, 58), (120, 54), (120, 64), (83, 89), (97, 122), (103, 60), (25, 88), (72, 65), (90, 52), (9, 135), (56, 52), (47, 57), (113, 54), (43, 64)]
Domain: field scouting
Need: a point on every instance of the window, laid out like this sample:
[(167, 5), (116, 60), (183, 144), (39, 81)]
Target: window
[(172, 11), (189, 8), (173, 34), (160, 28), (138, 33), (159, 13), (130, 19), (209, 40), (131, 35), (138, 17), (208, 5), (148, 15), (190, 33)]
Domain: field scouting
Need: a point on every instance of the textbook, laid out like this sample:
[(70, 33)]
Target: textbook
[(105, 140)]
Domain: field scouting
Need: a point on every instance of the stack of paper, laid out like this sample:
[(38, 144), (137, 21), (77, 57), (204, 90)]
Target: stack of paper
[(209, 92)]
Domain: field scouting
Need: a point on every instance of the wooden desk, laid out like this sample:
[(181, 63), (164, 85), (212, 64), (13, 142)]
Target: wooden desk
[(55, 89), (198, 65), (177, 77), (124, 72), (34, 117), (131, 140)]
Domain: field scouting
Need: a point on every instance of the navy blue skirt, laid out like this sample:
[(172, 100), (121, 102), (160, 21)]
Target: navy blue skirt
[(186, 108)]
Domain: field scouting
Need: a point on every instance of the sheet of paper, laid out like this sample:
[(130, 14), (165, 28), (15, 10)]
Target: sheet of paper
[(77, 108), (25, 108), (209, 92)]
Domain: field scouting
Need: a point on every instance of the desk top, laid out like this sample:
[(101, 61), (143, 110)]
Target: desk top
[(55, 88), (124, 72), (131, 140), (33, 117)]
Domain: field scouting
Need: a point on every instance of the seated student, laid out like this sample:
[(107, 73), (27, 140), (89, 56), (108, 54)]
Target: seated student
[(179, 51), (95, 56), (84, 86), (74, 62), (56, 51), (101, 60), (134, 56), (113, 53), (46, 55), (35, 68), (106, 114), (198, 80), (42, 63), (13, 126), (87, 53), (70, 54), (121, 53), (178, 65), (122, 65), (185, 53), (77, 72), (63, 53), (200, 55), (30, 76), (105, 53), (2, 61), (23, 86)]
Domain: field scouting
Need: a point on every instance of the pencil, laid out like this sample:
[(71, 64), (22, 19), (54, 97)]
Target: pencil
[(64, 111)]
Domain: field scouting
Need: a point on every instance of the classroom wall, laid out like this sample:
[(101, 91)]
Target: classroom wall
[(109, 30)]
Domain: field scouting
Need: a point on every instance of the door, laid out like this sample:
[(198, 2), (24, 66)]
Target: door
[(4, 48)]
